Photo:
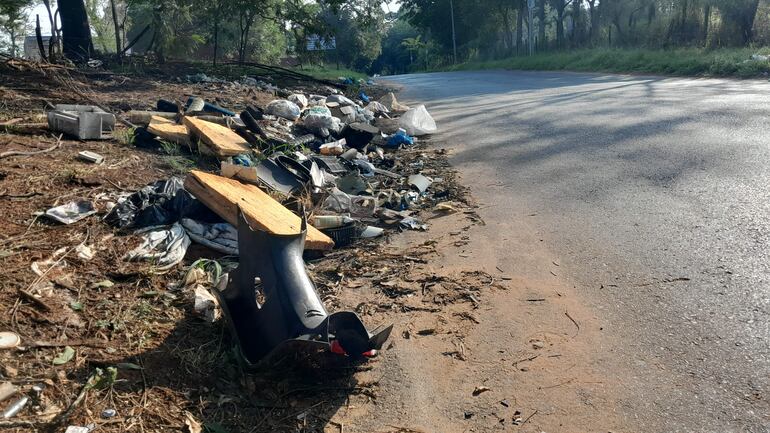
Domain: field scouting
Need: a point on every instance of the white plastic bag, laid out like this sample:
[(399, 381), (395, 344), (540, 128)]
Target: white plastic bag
[(418, 122), (283, 108), (319, 124)]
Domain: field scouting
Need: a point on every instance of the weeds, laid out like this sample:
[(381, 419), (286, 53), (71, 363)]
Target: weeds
[(125, 136), (179, 164), (170, 148)]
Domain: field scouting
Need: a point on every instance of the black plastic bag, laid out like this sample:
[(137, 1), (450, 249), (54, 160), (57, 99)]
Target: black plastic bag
[(161, 203)]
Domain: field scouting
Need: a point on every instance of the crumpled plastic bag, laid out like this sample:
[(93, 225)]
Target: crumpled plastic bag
[(418, 122), (160, 203), (320, 110), (199, 279), (392, 103), (321, 124), (164, 247), (340, 99), (376, 107), (399, 138), (359, 115), (355, 205), (221, 237), (283, 108), (299, 99)]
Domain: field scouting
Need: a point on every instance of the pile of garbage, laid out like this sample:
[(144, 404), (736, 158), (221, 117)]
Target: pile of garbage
[(301, 175)]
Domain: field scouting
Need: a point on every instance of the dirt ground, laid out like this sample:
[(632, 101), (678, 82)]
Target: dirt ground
[(476, 345)]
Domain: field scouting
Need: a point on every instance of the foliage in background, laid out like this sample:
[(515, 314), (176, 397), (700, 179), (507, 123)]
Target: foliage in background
[(13, 22), (486, 30), (419, 35)]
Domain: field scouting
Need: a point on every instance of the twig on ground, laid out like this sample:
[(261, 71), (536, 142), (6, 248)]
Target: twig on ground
[(88, 342), (36, 152), (566, 313), (37, 301), (529, 417)]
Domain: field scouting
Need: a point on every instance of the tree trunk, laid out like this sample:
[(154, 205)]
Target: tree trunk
[(706, 22), (118, 44), (739, 18), (12, 34), (39, 37), (520, 25), (560, 24), (541, 32), (592, 18), (53, 43), (246, 20), (577, 28), (508, 40), (76, 33)]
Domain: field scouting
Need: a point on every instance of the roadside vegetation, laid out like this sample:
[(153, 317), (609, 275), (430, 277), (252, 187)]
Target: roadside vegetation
[(684, 61), (329, 39), (676, 37)]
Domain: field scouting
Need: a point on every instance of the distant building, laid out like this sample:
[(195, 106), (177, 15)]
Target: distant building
[(31, 50)]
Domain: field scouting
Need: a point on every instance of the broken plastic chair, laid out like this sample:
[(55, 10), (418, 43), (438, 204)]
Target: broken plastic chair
[(271, 303)]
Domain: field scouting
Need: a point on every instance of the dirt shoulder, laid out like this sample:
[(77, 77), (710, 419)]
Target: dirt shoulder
[(486, 334)]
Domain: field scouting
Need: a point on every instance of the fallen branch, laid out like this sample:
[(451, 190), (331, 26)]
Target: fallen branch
[(5, 194), (35, 300), (72, 343), (11, 122), (37, 152)]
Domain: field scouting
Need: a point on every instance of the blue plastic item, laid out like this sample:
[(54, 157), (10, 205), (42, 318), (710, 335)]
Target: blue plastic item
[(243, 160), (398, 139), (363, 97)]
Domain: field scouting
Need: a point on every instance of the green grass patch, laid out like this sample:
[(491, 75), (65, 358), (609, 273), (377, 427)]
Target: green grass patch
[(683, 61), (329, 73)]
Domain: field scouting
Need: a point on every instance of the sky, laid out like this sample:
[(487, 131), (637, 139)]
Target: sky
[(45, 24)]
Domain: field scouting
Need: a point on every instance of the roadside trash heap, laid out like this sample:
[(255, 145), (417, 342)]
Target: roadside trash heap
[(299, 176)]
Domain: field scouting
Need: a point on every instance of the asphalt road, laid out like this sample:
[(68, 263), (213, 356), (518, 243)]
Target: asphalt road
[(655, 195)]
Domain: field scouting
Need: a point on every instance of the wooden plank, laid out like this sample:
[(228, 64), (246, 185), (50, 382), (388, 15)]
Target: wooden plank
[(158, 119), (224, 196), (221, 140), (169, 131)]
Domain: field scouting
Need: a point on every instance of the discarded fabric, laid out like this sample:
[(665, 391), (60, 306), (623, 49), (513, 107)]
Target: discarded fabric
[(163, 247)]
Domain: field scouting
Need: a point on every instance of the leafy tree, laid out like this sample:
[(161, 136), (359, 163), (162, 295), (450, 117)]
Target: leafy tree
[(13, 18)]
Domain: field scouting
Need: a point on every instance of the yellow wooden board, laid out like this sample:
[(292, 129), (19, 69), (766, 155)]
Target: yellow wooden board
[(224, 196), (221, 140), (169, 131)]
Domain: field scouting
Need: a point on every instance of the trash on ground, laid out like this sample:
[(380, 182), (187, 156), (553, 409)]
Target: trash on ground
[(9, 340), (390, 102), (226, 196), (221, 237), (15, 407), (85, 122), (71, 212), (283, 108), (218, 140), (285, 290), (418, 122), (164, 247), (91, 157), (420, 182)]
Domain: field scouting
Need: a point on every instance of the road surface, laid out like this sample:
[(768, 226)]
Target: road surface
[(653, 196)]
